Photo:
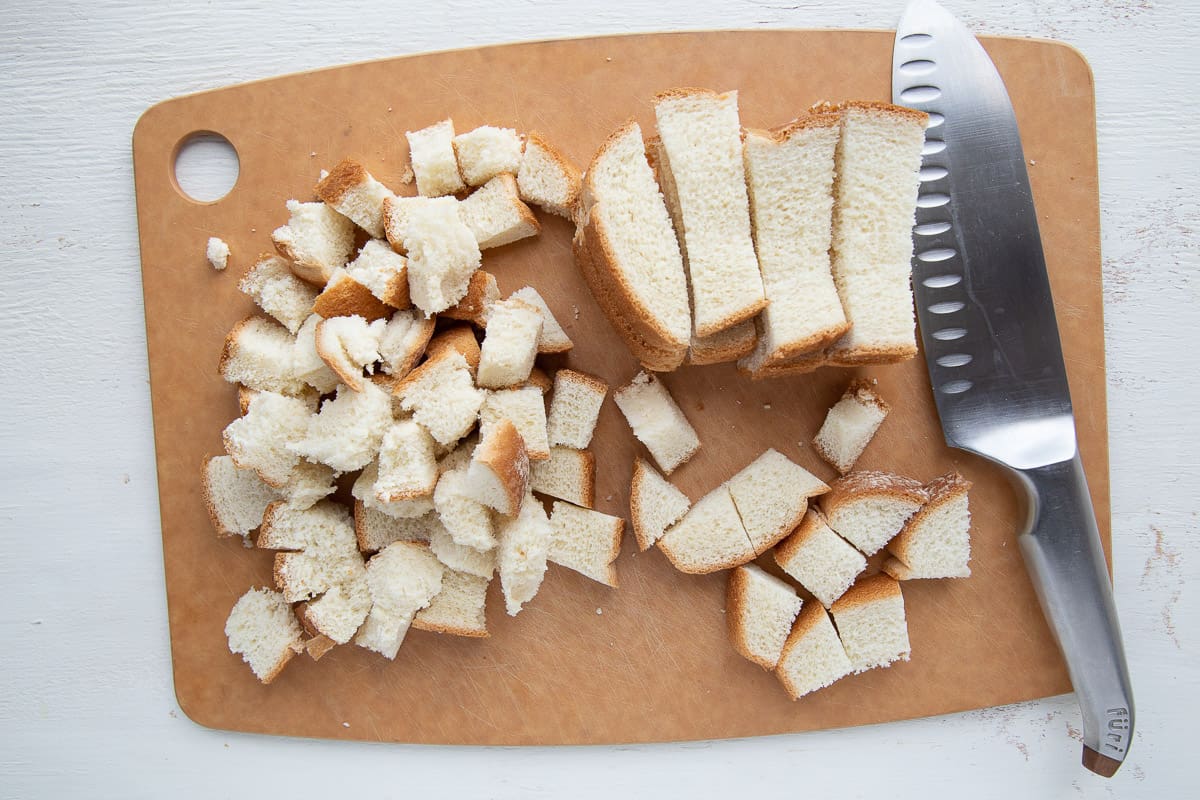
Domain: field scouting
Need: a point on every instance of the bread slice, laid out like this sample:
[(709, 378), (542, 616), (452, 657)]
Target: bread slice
[(275, 288), (434, 165), (710, 537), (459, 338), (468, 521), (403, 342), (262, 438), (307, 364), (442, 255), (235, 498), (344, 296), (403, 578), (553, 338), (936, 541), (258, 354), (526, 409), (383, 271), (868, 508), (800, 365), (547, 178), (727, 345), (759, 610), (871, 623), (875, 200), (657, 421), (348, 345), (585, 541), (521, 555), (375, 530), (461, 557), (324, 530), (407, 464), (510, 344), (568, 475), (574, 408), (495, 214), (397, 211), (442, 397), (352, 192), (262, 629), (458, 609), (363, 490), (316, 239), (820, 560), (654, 504), (498, 476), (626, 249), (310, 396), (771, 495), (216, 250), (849, 425), (813, 656), (476, 304), (702, 144), (486, 152)]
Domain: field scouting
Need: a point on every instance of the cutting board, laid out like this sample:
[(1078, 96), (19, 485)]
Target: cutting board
[(584, 663)]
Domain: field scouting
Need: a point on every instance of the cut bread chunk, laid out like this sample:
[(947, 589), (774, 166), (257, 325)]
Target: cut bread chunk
[(346, 432), (547, 178), (759, 610), (275, 288), (407, 464), (403, 342), (486, 152), (820, 560), (217, 253), (316, 239), (710, 537), (539, 380), (654, 504), (800, 365), (340, 611), (702, 145), (258, 354), (789, 173), (459, 607), (875, 200), (510, 344), (627, 251), (442, 255), (442, 397), (849, 425), (870, 621), (459, 338), (813, 656), (323, 529), (498, 476), (476, 304), (468, 521), (480, 563), (318, 646), (262, 629), (363, 490), (236, 498), (936, 541), (495, 214), (521, 555), (585, 541), (403, 578), (568, 475), (375, 530), (348, 345), (307, 363), (553, 338), (352, 192), (575, 408), (308, 483), (397, 211), (383, 271), (459, 458), (771, 495), (727, 345), (868, 508), (310, 396), (263, 437), (434, 165), (344, 296), (657, 421), (526, 409)]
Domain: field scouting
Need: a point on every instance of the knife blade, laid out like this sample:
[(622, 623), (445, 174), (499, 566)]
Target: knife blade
[(992, 347)]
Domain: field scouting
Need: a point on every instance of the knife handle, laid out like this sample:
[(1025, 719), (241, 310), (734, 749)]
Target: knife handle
[(1064, 557)]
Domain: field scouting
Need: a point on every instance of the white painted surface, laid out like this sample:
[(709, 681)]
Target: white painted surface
[(86, 701)]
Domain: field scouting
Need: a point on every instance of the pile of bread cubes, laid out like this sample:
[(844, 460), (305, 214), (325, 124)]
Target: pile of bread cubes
[(388, 355)]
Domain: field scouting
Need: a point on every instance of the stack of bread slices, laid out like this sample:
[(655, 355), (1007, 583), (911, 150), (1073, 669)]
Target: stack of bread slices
[(783, 250)]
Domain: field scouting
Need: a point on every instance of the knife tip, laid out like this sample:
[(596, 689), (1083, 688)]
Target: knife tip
[(1102, 765)]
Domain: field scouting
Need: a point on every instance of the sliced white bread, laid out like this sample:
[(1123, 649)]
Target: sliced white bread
[(702, 143), (307, 363), (868, 508), (585, 541), (459, 458), (626, 249), (352, 192), (526, 409), (710, 537), (375, 530), (510, 344), (397, 211), (480, 563), (441, 395), (383, 271), (498, 476), (261, 438), (476, 304), (262, 629), (486, 152), (407, 463), (495, 214), (574, 408), (657, 421), (727, 345), (316, 239), (275, 288), (800, 365), (442, 255), (871, 623), (459, 338), (936, 541), (875, 201), (553, 338), (468, 521), (403, 578), (346, 432), (348, 345), (547, 178), (459, 607), (363, 490), (431, 151), (344, 296), (308, 483), (813, 656), (310, 396), (235, 498), (850, 424), (771, 494), (759, 610), (403, 342), (341, 610), (820, 560), (521, 554), (217, 252), (258, 354), (654, 504), (568, 475)]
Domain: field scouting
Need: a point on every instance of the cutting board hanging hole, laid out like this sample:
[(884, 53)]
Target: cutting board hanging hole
[(206, 167)]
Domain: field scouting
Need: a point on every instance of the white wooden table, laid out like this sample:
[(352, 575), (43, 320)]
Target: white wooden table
[(86, 701)]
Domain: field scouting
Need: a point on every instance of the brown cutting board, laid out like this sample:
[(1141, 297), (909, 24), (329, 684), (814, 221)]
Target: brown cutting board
[(584, 663)]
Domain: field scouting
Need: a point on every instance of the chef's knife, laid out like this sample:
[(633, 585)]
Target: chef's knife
[(992, 347)]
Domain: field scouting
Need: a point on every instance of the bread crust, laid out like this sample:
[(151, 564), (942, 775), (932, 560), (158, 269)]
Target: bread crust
[(346, 175), (568, 170), (809, 616), (352, 379), (503, 452), (539, 379), (861, 391), (209, 503), (460, 339), (431, 363), (941, 490), (346, 297), (729, 345), (451, 630), (801, 365), (791, 545), (474, 305), (872, 589), (735, 600), (635, 504), (854, 486), (318, 646), (529, 223)]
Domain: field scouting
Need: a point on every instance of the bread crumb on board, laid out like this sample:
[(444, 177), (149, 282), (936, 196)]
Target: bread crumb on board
[(217, 252)]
